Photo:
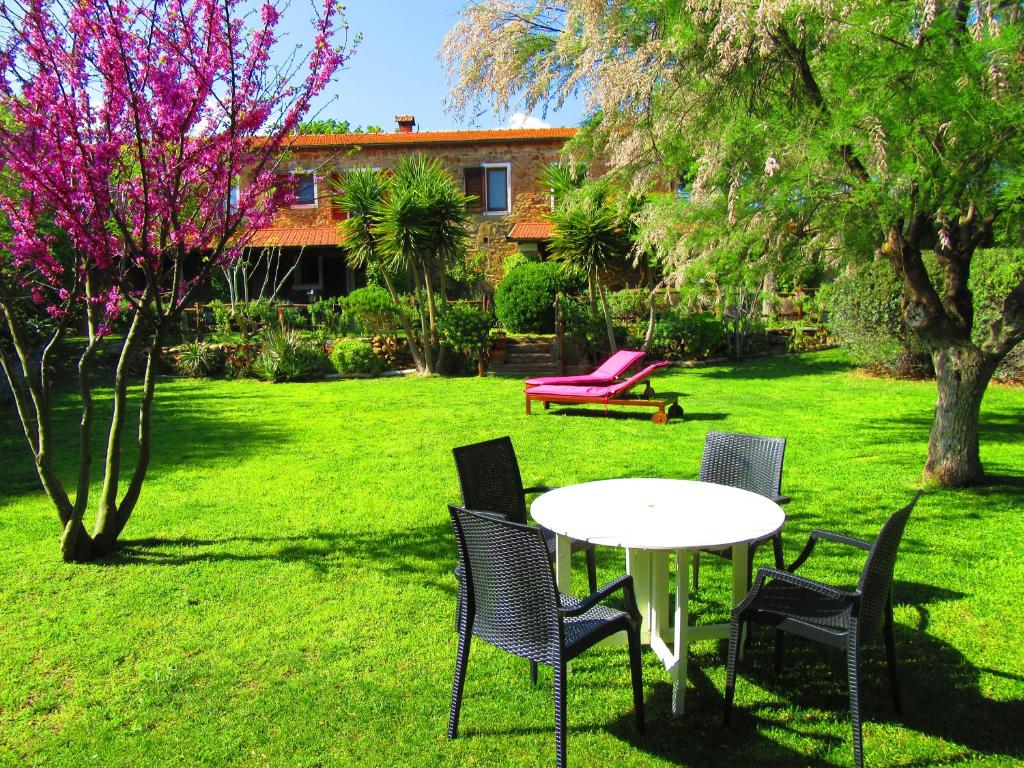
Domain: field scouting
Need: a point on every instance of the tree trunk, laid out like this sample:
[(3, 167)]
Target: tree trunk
[(609, 326), (962, 373), (651, 312), (417, 358)]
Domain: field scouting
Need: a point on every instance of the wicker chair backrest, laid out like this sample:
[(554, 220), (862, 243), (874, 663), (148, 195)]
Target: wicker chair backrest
[(511, 591), (876, 578), (750, 462), (490, 480)]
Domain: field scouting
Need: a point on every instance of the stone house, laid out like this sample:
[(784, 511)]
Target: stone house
[(500, 168)]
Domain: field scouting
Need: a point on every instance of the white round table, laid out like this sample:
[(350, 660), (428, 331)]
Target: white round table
[(652, 518)]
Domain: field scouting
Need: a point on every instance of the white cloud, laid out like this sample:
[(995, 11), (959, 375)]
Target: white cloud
[(522, 120)]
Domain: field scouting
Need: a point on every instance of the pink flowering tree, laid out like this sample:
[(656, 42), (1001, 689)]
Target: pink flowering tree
[(126, 125)]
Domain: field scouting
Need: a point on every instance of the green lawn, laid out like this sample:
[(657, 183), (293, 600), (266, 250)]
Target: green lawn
[(284, 596)]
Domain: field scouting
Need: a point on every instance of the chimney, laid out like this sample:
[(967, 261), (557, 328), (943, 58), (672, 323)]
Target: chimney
[(405, 123)]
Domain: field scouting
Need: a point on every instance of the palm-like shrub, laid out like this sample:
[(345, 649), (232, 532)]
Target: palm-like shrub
[(197, 359), (287, 356)]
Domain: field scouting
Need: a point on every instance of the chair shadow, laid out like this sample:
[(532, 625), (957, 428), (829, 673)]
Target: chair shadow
[(942, 697)]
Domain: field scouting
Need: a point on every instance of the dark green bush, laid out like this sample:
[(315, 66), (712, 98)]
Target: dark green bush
[(678, 335), (355, 356), (292, 317), (221, 318), (629, 306), (287, 356), (372, 310), (584, 324), (864, 308), (524, 301), (994, 273), (197, 359), (327, 317), (465, 328)]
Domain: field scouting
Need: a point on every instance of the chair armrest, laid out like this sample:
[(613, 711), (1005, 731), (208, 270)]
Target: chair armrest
[(625, 583), (827, 536), (797, 581), (539, 489)]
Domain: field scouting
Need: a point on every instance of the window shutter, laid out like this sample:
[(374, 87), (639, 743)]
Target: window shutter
[(475, 188), (337, 212)]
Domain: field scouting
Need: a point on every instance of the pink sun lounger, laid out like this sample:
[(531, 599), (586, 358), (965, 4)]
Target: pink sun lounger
[(606, 373), (612, 394)]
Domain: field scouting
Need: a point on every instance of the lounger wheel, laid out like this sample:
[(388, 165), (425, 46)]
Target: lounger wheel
[(660, 417), (675, 411)]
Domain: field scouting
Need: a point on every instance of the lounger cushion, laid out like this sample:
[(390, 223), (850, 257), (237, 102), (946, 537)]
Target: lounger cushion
[(606, 373)]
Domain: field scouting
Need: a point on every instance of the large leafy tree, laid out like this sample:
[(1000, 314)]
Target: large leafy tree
[(803, 129), (128, 125)]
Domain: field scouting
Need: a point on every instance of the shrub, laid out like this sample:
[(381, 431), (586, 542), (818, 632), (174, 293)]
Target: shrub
[(286, 356), (865, 316), (372, 310), (292, 317), (583, 323), (327, 317), (629, 306), (197, 359), (238, 359), (355, 356), (221, 318), (698, 336), (525, 300), (465, 328)]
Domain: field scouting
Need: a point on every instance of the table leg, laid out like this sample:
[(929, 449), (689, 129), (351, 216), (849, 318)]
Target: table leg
[(659, 594), (638, 565), (681, 641), (563, 564), (740, 577)]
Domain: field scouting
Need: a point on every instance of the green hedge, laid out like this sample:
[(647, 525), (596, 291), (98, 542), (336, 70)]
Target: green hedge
[(524, 301)]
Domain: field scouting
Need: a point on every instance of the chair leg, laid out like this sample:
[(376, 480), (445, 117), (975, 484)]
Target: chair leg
[(696, 570), (591, 569), (533, 673), (636, 673), (853, 680), (560, 675), (780, 649), (889, 631), (461, 662), (735, 629)]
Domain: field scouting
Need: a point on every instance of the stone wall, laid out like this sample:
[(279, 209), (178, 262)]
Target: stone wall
[(529, 201)]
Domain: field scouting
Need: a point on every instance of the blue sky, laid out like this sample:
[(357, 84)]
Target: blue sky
[(396, 71)]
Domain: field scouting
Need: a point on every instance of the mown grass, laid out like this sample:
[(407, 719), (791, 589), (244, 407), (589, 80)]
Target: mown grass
[(284, 594)]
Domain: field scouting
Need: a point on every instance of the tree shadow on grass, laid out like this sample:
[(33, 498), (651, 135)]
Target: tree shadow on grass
[(182, 436), (426, 553), (778, 367), (942, 698)]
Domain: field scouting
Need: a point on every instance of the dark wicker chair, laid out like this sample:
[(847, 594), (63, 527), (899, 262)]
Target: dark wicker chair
[(512, 602), (752, 463), (490, 482), (835, 617)]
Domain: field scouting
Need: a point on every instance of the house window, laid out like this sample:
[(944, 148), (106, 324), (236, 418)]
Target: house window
[(491, 184), (233, 199), (309, 273), (305, 190)]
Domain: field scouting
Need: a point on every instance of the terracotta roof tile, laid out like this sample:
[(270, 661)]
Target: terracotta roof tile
[(285, 237), (527, 231), (427, 137)]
